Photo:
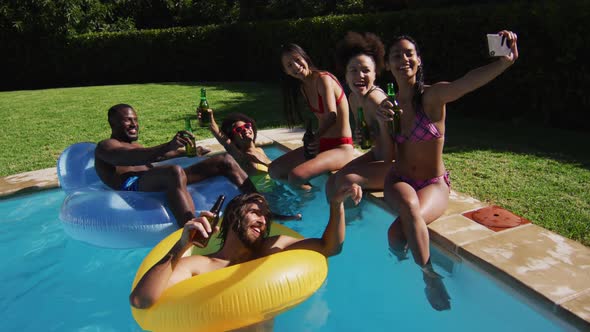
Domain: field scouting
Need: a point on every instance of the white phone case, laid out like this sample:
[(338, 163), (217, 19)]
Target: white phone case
[(495, 46)]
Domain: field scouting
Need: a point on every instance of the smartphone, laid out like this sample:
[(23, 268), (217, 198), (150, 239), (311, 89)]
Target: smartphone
[(498, 45)]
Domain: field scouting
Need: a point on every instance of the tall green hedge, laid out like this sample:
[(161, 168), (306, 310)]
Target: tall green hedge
[(546, 85)]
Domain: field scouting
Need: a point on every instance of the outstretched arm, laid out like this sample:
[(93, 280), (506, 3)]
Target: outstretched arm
[(331, 241), (171, 268), (120, 153), (445, 92)]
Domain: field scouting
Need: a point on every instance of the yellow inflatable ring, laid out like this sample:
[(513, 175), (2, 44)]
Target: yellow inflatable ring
[(235, 296)]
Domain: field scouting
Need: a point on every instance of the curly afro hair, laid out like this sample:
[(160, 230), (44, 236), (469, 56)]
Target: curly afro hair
[(355, 43)]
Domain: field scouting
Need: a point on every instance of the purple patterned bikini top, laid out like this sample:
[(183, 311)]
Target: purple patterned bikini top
[(423, 130)]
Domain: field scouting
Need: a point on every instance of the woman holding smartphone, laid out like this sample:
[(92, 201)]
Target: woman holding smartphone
[(418, 185), (362, 55), (326, 99)]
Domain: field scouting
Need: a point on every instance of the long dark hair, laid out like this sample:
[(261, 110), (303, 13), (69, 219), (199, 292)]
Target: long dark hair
[(291, 87), (419, 86), (230, 119), (236, 210), (354, 44)]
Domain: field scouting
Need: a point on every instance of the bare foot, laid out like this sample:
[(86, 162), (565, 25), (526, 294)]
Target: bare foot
[(400, 253), (435, 289)]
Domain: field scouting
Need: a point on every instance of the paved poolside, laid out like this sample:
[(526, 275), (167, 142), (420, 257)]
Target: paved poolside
[(547, 270)]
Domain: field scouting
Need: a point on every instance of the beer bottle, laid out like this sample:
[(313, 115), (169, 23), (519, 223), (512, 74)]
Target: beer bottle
[(394, 128), (308, 138), (366, 141), (202, 110), (198, 239), (191, 150)]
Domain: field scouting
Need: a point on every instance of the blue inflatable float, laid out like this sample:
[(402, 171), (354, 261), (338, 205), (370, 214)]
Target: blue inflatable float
[(94, 213)]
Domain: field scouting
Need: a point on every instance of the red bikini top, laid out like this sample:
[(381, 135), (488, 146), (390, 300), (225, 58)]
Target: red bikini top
[(320, 108)]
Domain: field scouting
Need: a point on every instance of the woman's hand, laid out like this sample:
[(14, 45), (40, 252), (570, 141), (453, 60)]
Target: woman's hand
[(511, 39), (385, 111), (314, 146), (354, 191)]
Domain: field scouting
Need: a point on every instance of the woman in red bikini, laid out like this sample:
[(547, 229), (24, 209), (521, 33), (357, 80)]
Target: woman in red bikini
[(328, 103), (361, 56), (418, 185)]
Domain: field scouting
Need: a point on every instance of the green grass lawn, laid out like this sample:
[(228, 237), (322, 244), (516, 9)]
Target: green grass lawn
[(540, 174)]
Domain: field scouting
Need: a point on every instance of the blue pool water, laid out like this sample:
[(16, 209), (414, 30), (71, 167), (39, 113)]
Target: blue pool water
[(50, 282)]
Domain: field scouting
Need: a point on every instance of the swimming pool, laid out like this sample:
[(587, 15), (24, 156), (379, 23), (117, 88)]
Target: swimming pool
[(50, 282)]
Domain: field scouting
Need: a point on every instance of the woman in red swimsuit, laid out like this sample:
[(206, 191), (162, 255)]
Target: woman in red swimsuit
[(417, 186), (328, 103), (361, 56)]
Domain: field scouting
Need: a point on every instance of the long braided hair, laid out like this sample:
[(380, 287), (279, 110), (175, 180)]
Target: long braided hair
[(419, 86)]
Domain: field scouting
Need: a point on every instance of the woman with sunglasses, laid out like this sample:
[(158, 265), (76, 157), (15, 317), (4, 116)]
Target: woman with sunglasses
[(238, 136), (327, 101)]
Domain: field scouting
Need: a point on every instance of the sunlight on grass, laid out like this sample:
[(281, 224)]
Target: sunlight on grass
[(543, 178)]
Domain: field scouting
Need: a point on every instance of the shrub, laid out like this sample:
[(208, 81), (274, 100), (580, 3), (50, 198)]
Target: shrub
[(546, 85)]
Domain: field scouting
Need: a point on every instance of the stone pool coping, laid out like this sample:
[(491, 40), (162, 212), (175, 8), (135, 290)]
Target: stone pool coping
[(547, 270)]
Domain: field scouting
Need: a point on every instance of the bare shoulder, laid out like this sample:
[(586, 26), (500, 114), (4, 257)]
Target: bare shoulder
[(433, 103), (103, 147), (110, 143), (327, 80), (433, 94), (375, 98)]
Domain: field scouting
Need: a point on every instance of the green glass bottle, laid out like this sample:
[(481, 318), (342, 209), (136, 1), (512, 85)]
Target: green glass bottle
[(203, 109), (308, 137), (198, 239), (394, 128), (366, 141), (191, 150)]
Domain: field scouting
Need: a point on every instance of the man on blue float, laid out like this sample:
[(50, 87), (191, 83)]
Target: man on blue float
[(244, 234), (123, 164)]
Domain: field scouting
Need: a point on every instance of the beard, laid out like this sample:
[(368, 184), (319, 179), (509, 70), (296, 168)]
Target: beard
[(242, 233)]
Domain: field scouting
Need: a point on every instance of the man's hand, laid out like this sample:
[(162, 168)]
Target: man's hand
[(197, 227), (181, 139)]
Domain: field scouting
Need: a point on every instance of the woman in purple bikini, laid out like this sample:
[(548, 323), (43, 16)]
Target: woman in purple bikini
[(418, 185)]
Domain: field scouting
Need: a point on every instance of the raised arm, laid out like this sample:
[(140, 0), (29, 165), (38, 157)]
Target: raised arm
[(333, 238), (172, 268), (445, 92), (219, 136), (120, 153)]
